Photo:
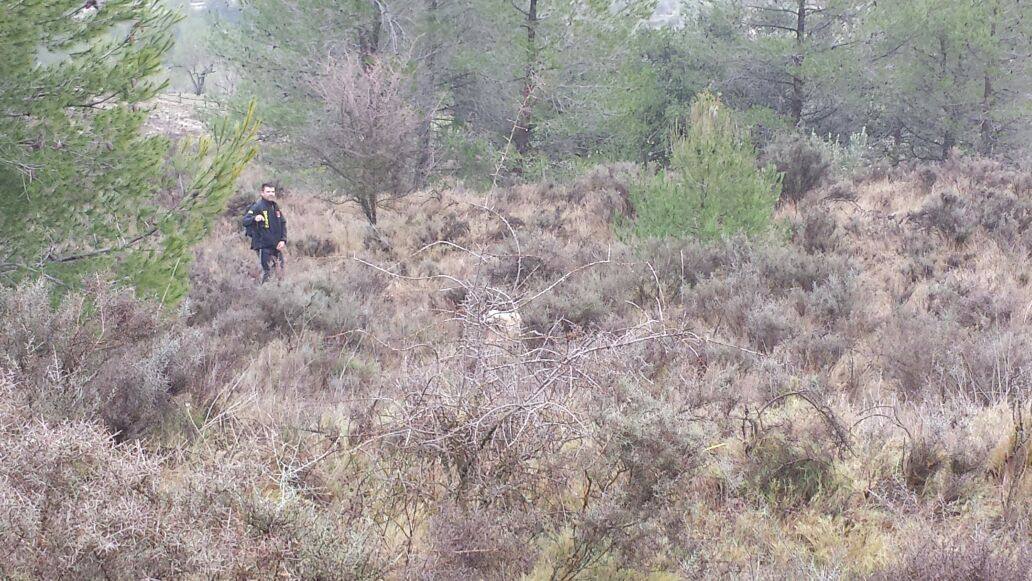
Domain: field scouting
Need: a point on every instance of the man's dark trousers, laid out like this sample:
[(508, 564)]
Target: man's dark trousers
[(268, 256)]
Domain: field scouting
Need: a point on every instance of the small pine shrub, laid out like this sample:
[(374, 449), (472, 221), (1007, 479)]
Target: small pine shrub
[(713, 188)]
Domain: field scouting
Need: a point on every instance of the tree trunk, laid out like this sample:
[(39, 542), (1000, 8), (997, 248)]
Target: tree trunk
[(949, 140), (524, 120), (988, 139), (424, 165), (368, 205), (798, 86), (369, 38)]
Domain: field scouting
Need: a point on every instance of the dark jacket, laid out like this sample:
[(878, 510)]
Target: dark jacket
[(270, 231)]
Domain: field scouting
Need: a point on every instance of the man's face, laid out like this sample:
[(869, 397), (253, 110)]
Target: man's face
[(269, 193)]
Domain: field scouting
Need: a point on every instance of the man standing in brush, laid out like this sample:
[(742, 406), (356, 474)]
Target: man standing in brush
[(267, 228)]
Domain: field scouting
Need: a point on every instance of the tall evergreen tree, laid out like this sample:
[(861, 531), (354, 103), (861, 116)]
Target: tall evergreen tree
[(951, 73), (83, 185)]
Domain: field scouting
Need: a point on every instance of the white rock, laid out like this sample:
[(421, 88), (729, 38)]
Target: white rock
[(508, 324)]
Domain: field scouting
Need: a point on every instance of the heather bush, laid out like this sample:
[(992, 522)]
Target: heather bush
[(316, 301), (605, 296), (73, 503), (976, 194), (647, 445), (991, 173), (830, 301), (913, 349), (316, 247), (951, 215), (98, 355), (817, 231), (683, 264), (784, 268), (770, 324), (819, 352), (929, 357), (971, 305), (958, 556), (439, 227), (541, 259), (802, 164), (637, 469)]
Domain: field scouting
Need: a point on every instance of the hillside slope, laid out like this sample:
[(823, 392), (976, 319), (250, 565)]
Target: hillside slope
[(497, 385)]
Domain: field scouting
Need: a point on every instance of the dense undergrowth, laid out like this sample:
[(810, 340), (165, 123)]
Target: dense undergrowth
[(850, 400)]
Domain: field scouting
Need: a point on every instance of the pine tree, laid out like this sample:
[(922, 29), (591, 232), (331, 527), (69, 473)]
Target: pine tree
[(83, 185), (951, 74), (713, 187)]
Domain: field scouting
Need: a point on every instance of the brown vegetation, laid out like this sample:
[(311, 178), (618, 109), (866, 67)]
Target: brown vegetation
[(853, 402)]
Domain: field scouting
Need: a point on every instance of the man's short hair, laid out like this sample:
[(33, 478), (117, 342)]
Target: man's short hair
[(267, 185)]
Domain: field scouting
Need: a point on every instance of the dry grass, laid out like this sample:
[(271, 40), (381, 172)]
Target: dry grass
[(765, 409)]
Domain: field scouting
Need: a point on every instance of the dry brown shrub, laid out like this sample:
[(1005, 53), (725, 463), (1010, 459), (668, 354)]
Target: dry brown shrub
[(74, 504), (607, 186), (481, 542), (309, 245), (819, 352), (958, 556), (928, 357), (100, 355), (817, 231), (802, 163)]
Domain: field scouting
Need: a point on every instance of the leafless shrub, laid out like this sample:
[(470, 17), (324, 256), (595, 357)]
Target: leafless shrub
[(367, 133), (962, 555)]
